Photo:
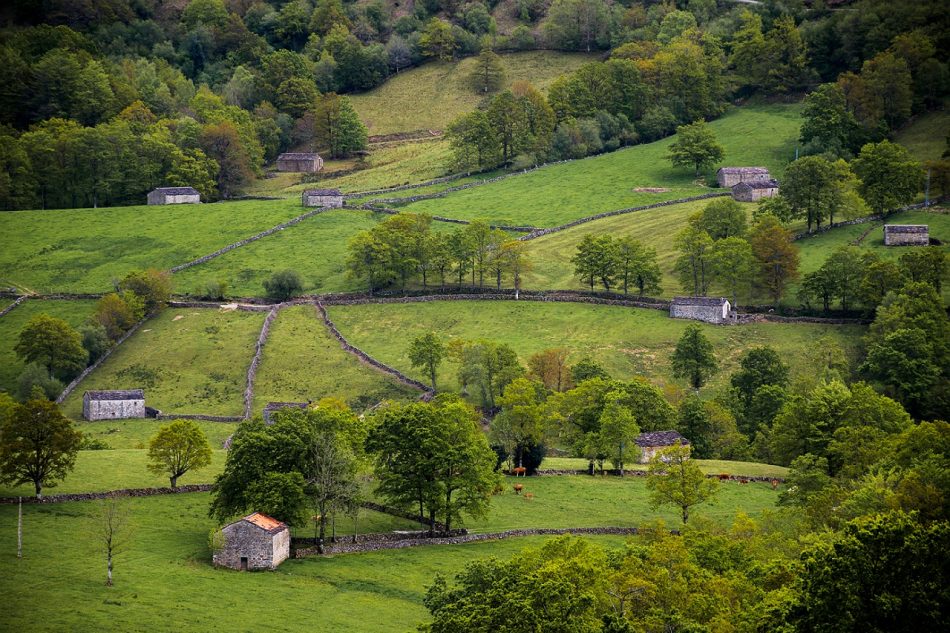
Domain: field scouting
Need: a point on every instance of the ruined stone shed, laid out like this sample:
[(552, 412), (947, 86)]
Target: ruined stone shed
[(174, 195), (732, 176), (113, 405), (906, 235), (755, 190), (306, 162), (708, 309), (255, 542), (650, 443), (330, 198)]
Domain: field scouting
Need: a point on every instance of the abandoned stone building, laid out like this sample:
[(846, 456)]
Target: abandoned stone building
[(708, 309), (732, 176), (906, 235), (650, 443), (754, 190), (174, 195), (331, 198), (300, 162), (115, 404), (255, 542), (271, 407)]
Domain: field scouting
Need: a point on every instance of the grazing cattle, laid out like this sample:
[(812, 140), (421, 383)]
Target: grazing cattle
[(518, 488), (519, 471), (724, 476), (743, 481), (528, 496), (775, 483)]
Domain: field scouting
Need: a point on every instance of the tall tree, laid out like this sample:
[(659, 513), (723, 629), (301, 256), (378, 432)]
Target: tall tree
[(733, 264), (520, 421), (695, 146), (337, 126), (694, 265), (693, 357), (596, 260), (222, 143), (54, 344), (812, 189), (177, 448), (38, 445), (637, 266), (775, 253), (890, 177), (674, 479), (426, 351), (488, 74), (112, 529)]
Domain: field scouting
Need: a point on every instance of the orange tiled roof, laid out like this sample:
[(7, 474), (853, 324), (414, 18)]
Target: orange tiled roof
[(265, 522)]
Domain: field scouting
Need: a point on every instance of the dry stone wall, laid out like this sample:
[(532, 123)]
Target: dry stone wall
[(125, 492), (13, 305), (256, 361)]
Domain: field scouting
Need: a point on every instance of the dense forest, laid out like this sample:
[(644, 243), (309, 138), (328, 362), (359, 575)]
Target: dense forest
[(102, 101)]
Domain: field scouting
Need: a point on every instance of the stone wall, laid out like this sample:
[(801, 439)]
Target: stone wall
[(93, 496), (330, 202), (13, 305), (112, 409), (896, 237), (261, 549), (708, 314), (256, 361)]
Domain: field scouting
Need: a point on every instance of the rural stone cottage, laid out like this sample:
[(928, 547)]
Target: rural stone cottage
[(708, 309), (255, 542), (323, 198), (650, 443), (754, 190), (732, 176), (300, 162), (174, 195), (906, 235), (271, 407), (109, 405)]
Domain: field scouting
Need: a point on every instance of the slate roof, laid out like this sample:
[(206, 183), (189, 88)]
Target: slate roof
[(906, 228), (699, 301), (266, 523), (270, 407), (298, 156), (745, 171), (757, 184), (661, 438), (177, 191), (322, 192), (116, 394)]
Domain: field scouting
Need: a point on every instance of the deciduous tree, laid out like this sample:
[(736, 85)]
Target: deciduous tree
[(426, 352), (52, 343), (695, 146), (177, 448), (693, 357), (674, 479), (38, 445)]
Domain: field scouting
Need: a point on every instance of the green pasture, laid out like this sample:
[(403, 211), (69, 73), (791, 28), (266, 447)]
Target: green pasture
[(435, 94), (73, 312), (626, 341), (135, 432), (708, 466), (85, 250), (926, 135), (187, 360), (553, 195), (302, 362)]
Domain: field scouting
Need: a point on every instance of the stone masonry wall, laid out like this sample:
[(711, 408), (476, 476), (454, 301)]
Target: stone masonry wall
[(113, 409), (243, 540), (709, 314)]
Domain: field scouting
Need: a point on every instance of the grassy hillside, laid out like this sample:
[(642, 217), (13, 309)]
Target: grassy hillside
[(433, 95), (752, 135), (926, 136), (73, 312), (627, 341), (84, 250), (303, 362), (188, 361)]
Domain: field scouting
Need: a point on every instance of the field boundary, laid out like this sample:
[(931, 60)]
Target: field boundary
[(13, 305), (440, 218), (256, 360), (93, 496)]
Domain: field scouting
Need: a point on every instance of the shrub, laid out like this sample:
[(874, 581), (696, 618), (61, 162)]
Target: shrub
[(215, 290), (36, 381), (283, 285)]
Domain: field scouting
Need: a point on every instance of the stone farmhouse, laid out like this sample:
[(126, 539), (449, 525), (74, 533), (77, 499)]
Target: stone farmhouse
[(708, 309), (331, 198), (732, 176), (650, 443), (174, 195), (113, 405), (300, 162), (754, 190), (906, 235), (255, 542), (271, 407)]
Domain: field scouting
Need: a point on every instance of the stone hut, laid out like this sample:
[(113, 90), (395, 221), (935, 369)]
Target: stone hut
[(708, 309), (300, 162), (650, 443), (331, 198), (113, 405), (906, 235), (255, 542), (271, 407), (754, 190), (732, 176), (174, 195)]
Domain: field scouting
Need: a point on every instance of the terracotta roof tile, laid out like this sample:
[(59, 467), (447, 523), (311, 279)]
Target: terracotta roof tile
[(266, 523)]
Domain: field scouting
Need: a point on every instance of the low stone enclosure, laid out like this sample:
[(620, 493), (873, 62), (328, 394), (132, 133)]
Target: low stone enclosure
[(906, 235)]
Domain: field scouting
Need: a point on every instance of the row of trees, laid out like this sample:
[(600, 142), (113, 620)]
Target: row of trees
[(617, 262)]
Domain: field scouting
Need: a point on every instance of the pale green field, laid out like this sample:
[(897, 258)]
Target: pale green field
[(926, 136)]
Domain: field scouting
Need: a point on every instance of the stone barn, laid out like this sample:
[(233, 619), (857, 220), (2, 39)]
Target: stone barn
[(331, 198), (906, 235), (174, 195), (650, 443), (755, 190), (708, 309), (271, 407), (113, 405), (732, 176), (300, 162), (255, 542)]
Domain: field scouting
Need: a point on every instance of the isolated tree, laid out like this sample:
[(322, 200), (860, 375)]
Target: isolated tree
[(618, 432), (488, 74), (177, 448), (695, 146), (775, 253), (890, 177), (38, 445), (674, 479), (112, 528), (52, 343), (426, 351), (283, 285), (693, 357)]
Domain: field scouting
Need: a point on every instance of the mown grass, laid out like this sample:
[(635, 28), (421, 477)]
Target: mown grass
[(303, 362), (73, 312), (188, 361), (626, 341), (708, 466), (84, 250), (751, 135), (433, 95), (926, 136)]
